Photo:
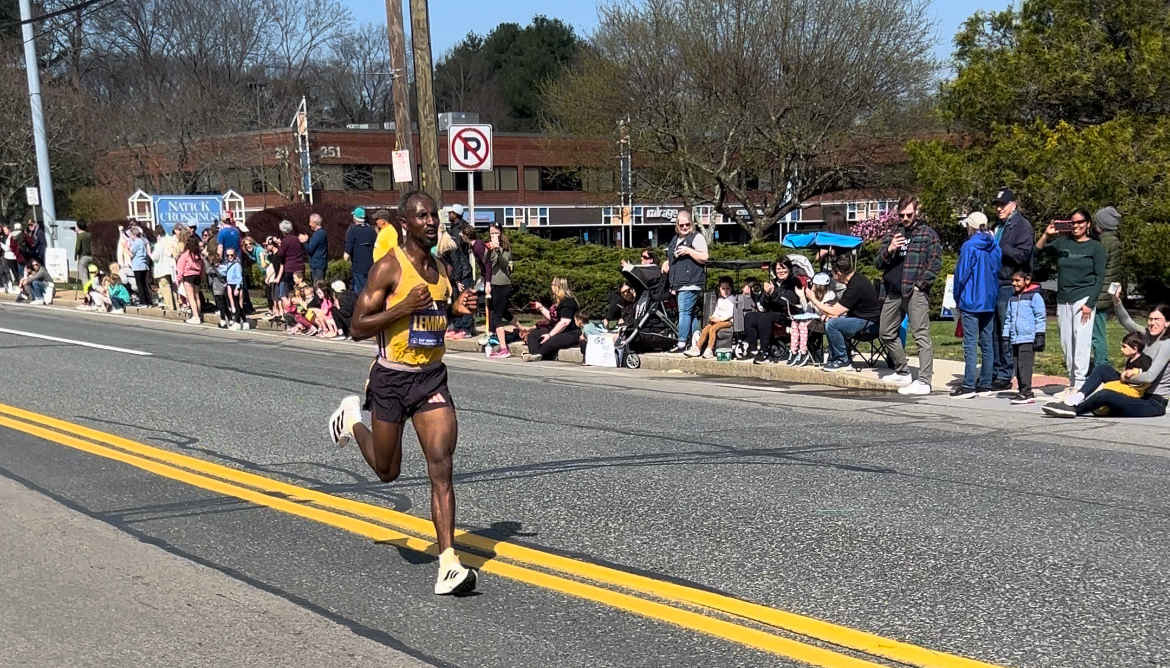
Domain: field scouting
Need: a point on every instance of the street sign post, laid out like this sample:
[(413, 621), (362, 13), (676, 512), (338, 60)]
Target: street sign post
[(469, 149)]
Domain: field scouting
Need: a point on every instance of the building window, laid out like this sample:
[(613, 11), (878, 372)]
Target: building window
[(506, 177), (328, 177), (383, 178), (358, 177), (538, 215), (513, 216), (608, 213), (488, 180), (702, 214), (556, 179), (532, 179), (636, 215), (851, 212)]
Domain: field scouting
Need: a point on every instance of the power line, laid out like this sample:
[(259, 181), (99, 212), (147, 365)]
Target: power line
[(59, 12)]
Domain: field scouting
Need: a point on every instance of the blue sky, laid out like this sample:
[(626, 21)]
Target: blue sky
[(452, 19)]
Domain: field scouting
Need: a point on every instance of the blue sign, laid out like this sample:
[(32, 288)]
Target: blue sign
[(200, 211)]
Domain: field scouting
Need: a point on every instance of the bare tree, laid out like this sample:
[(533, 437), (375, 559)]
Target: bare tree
[(752, 105)]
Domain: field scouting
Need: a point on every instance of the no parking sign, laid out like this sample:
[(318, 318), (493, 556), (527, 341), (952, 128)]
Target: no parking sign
[(469, 148)]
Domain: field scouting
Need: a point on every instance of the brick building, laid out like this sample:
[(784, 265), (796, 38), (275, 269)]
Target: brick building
[(536, 182)]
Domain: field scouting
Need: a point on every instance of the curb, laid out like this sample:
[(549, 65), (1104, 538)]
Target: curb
[(650, 361), (702, 367)]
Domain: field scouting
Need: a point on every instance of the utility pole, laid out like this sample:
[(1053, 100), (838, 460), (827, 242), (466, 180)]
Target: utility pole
[(625, 171), (44, 176), (428, 133), (399, 79)]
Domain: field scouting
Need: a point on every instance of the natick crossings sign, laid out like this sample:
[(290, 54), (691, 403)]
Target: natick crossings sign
[(198, 211)]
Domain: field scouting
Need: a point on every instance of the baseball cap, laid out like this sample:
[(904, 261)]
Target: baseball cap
[(821, 279), (338, 286), (974, 220), (1004, 196), (458, 209), (359, 213)]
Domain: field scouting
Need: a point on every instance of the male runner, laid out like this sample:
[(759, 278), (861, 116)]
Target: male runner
[(405, 306)]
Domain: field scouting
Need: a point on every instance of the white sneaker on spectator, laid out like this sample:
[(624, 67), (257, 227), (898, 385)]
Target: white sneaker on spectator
[(917, 388), (246, 326), (343, 419), (899, 378), (235, 327), (1063, 394), (193, 320), (37, 302), (708, 354), (692, 352), (118, 311)]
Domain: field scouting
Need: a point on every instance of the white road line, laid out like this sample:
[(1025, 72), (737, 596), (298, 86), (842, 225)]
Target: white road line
[(75, 343)]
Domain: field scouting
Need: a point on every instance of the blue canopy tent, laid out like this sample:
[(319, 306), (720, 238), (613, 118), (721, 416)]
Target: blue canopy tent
[(821, 240)]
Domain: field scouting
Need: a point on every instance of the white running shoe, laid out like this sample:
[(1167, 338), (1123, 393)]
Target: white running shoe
[(235, 326), (693, 351), (37, 302), (917, 388), (899, 378), (1063, 394), (193, 320), (343, 419), (247, 325), (454, 577)]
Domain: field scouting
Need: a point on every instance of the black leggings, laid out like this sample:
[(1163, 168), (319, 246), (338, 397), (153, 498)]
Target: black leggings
[(549, 349), (757, 327), (501, 315), (142, 280)]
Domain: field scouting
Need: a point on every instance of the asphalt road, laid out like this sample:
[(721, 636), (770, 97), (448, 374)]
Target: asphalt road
[(964, 528)]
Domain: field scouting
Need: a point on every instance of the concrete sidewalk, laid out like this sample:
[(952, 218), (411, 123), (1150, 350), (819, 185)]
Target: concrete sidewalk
[(948, 373)]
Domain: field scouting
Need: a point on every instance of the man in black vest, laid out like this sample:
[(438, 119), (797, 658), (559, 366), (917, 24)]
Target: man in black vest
[(686, 260)]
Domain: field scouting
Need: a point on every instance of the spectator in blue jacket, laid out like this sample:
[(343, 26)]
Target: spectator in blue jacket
[(1024, 329), (976, 292), (359, 249), (317, 247)]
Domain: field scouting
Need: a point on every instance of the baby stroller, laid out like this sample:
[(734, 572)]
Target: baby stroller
[(652, 324)]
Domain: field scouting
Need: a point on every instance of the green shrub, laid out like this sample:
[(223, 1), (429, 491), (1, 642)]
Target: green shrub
[(338, 270)]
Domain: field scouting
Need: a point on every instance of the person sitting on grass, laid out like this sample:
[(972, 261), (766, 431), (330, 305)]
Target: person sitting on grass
[(720, 319), (545, 342), (323, 316), (344, 304), (1152, 403)]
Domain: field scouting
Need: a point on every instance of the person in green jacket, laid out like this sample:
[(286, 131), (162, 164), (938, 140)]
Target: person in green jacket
[(1080, 273), (1107, 221)]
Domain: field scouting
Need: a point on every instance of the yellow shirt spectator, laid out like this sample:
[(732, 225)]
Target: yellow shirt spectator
[(387, 240)]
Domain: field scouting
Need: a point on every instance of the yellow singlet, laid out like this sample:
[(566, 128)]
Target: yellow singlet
[(418, 339), (387, 239)]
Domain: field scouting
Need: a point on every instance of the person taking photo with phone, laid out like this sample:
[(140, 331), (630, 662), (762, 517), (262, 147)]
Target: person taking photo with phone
[(1080, 273), (911, 259)]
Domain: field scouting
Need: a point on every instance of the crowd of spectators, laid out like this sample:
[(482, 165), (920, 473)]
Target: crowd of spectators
[(1000, 309)]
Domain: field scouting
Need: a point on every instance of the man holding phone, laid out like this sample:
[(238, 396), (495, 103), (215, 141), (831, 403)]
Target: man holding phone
[(911, 259), (1016, 238)]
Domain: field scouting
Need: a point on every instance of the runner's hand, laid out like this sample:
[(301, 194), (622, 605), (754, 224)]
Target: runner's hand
[(419, 298), (465, 304)]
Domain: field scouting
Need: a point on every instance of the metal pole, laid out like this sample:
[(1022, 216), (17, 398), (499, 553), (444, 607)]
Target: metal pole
[(403, 133), (428, 133), (44, 176)]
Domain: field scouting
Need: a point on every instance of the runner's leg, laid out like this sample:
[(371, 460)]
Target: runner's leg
[(381, 447), (438, 431)]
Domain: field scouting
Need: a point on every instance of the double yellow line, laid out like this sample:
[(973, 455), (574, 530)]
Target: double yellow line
[(739, 621)]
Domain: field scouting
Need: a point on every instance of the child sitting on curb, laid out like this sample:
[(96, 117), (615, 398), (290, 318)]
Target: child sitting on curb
[(720, 319)]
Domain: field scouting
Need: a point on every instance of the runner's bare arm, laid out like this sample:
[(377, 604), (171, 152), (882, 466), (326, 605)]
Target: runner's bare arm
[(370, 314)]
